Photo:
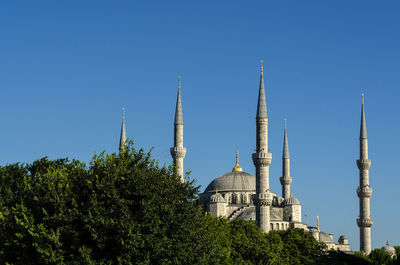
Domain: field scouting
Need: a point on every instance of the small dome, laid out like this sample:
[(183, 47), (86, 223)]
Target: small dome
[(389, 249), (291, 201), (343, 240), (217, 198)]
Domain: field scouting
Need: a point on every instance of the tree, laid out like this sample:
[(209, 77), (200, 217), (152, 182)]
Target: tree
[(397, 248), (121, 209), (380, 257), (336, 257)]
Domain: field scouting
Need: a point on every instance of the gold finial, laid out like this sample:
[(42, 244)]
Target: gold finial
[(216, 191), (318, 223), (262, 67), (179, 82), (237, 157), (237, 168)]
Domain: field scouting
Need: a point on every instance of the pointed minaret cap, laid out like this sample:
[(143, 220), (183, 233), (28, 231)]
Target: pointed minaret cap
[(237, 168), (363, 127), (262, 105), (122, 139), (178, 111), (285, 144)]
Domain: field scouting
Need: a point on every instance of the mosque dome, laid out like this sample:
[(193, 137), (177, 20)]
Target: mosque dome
[(389, 249), (343, 240), (291, 201), (233, 181), (237, 180), (217, 198)]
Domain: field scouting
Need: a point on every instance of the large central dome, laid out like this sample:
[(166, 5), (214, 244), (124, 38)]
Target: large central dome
[(237, 180), (233, 181)]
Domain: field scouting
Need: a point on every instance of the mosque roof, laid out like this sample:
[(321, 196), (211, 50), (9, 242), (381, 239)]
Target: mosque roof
[(389, 249), (217, 197), (233, 181), (237, 180)]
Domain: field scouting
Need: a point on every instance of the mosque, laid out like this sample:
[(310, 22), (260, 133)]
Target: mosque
[(238, 194)]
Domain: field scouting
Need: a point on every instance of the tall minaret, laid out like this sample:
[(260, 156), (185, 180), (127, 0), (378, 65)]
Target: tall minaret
[(122, 139), (178, 152), (262, 159), (286, 179), (364, 191)]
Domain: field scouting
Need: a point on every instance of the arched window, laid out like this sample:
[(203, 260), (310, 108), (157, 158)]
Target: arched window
[(277, 226), (272, 226)]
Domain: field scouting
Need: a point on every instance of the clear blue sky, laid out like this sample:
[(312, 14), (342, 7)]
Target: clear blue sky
[(68, 67)]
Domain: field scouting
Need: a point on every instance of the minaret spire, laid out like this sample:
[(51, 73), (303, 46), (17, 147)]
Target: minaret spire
[(363, 127), (262, 105), (122, 139), (178, 110), (285, 144), (262, 159), (286, 179), (364, 191), (178, 152)]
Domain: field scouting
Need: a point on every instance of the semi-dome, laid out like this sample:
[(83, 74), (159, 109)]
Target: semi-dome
[(291, 201), (217, 198)]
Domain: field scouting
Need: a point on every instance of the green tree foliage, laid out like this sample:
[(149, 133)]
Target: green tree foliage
[(397, 248), (242, 242), (121, 209), (380, 257), (341, 258)]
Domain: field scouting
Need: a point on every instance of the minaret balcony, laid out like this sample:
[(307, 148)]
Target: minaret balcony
[(263, 199), (286, 180), (178, 152), (365, 222), (262, 159), (364, 192), (364, 164), (261, 120)]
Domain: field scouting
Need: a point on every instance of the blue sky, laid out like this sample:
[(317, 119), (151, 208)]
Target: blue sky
[(67, 69)]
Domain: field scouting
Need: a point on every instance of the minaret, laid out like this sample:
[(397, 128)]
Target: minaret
[(122, 139), (262, 159), (178, 152), (364, 192), (286, 179)]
